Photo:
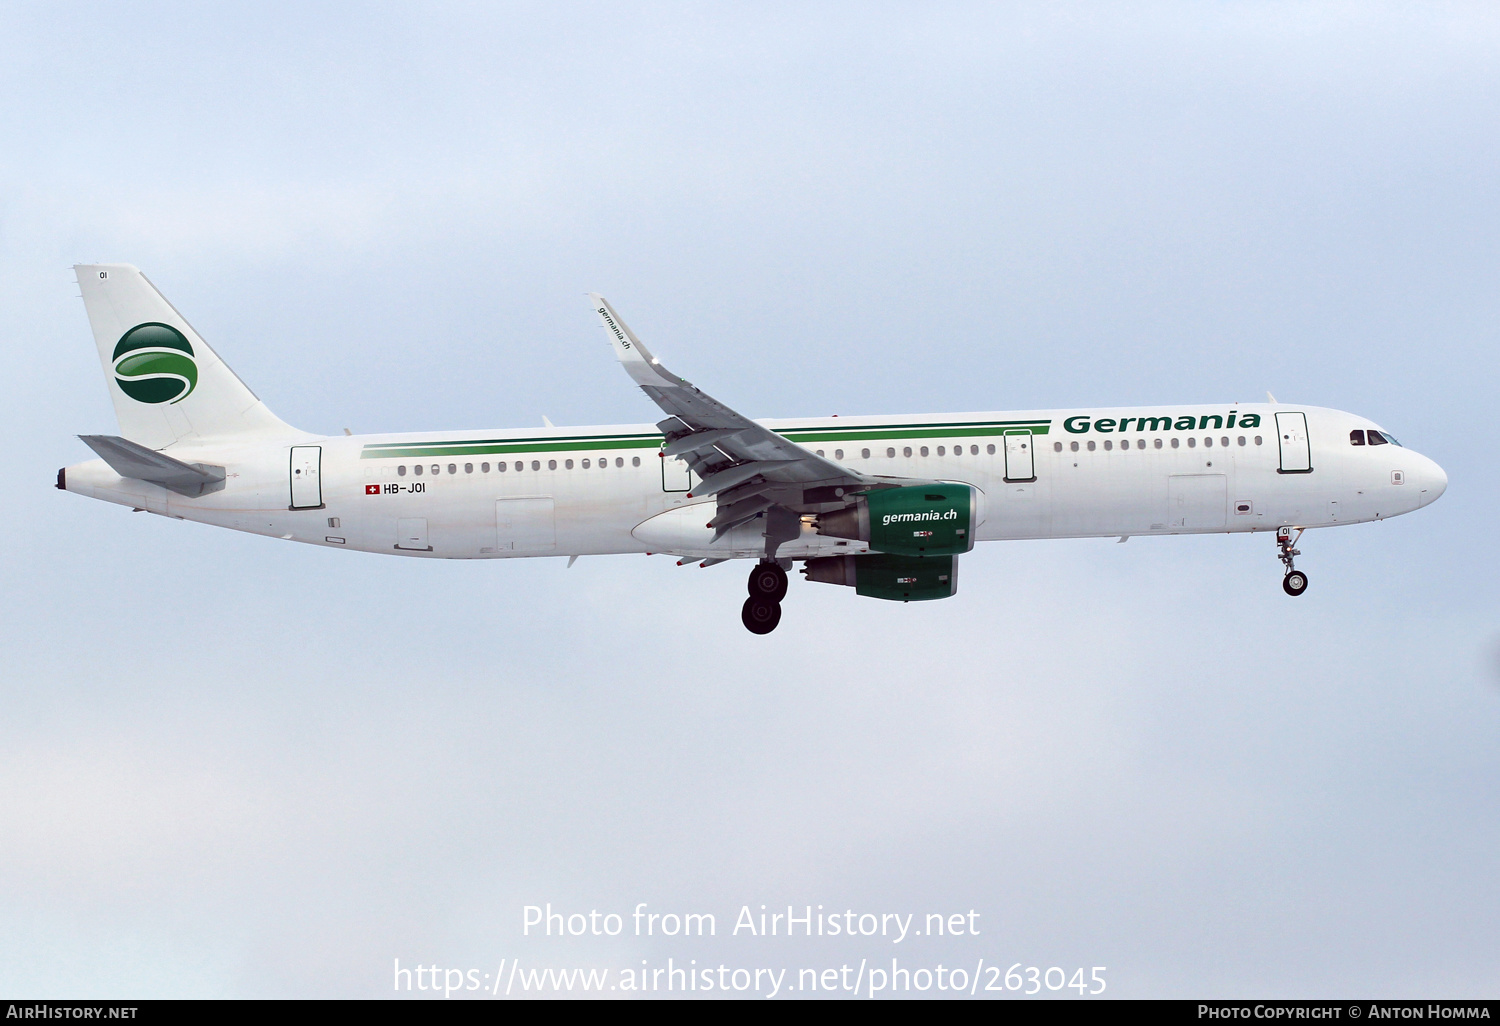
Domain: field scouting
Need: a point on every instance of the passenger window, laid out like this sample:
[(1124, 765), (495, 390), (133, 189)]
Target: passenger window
[(635, 461), (820, 452), (1157, 442), (484, 468), (502, 467), (1357, 437), (1057, 446), (973, 450), (1073, 446), (1192, 443), (401, 470), (1376, 438), (417, 470), (890, 454), (1224, 442), (585, 464), (1108, 444), (468, 468), (452, 468), (1242, 439), (1176, 443), (436, 469), (568, 464), (1091, 445), (942, 451), (924, 450), (990, 449), (536, 464), (1208, 443), (551, 464), (619, 461), (838, 454), (1258, 440)]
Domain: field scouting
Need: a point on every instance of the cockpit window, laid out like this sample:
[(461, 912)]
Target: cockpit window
[(1376, 438), (1356, 437)]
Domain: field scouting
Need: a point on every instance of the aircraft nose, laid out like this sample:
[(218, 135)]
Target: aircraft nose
[(1432, 481)]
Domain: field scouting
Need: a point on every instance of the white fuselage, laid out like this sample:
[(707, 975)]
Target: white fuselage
[(580, 491)]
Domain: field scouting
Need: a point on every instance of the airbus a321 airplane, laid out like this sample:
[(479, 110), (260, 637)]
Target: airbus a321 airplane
[(883, 505)]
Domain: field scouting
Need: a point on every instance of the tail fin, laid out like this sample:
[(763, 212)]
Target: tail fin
[(167, 384)]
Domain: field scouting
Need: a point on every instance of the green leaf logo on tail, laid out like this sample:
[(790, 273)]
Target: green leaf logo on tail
[(154, 364)]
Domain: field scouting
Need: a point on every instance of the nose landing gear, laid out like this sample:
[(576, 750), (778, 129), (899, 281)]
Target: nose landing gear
[(762, 610), (1295, 581)]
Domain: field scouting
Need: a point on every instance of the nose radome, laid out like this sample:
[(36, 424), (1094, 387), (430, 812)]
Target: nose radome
[(1432, 480)]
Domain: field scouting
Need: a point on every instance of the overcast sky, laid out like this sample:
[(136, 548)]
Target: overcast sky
[(233, 766)]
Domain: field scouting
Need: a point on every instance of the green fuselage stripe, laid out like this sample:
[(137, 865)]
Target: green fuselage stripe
[(504, 448), (576, 443), (934, 431)]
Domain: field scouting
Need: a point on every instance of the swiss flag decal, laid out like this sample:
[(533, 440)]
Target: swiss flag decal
[(372, 489)]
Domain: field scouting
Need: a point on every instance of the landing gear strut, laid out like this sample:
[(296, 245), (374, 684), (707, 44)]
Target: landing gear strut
[(762, 610), (1295, 581)]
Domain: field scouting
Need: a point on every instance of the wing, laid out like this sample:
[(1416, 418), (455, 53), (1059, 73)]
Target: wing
[(750, 469)]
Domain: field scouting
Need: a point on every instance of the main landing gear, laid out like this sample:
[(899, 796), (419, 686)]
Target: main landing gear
[(1295, 581), (762, 610)]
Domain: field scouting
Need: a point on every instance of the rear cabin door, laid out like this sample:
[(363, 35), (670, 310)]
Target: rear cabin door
[(1197, 501), (306, 474), (1020, 464), (527, 524), (1291, 433)]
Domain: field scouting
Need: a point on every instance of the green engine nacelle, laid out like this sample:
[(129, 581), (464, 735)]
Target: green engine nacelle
[(898, 578), (917, 520)]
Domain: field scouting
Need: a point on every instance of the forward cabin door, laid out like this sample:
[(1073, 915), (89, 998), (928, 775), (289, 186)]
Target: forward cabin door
[(306, 473), (526, 525), (1291, 433), (1020, 463)]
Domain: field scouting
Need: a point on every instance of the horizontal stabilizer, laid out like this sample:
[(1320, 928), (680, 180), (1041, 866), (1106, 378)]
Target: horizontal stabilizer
[(133, 460)]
